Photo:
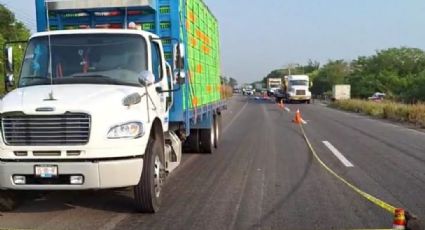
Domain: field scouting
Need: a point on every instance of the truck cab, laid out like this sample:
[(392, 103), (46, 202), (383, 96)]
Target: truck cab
[(89, 112), (297, 88)]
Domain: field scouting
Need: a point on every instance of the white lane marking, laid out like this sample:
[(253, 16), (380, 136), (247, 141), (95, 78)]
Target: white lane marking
[(234, 117), (287, 109), (263, 185), (304, 122), (338, 154)]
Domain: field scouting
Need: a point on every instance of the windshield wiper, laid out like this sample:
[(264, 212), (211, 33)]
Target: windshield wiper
[(33, 80), (86, 75), (90, 79)]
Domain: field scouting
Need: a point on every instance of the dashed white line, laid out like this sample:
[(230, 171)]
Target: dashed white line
[(338, 154), (287, 109), (234, 118), (303, 121)]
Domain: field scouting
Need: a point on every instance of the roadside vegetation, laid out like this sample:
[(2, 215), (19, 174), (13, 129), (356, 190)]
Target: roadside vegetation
[(227, 85), (11, 30), (397, 72), (411, 113)]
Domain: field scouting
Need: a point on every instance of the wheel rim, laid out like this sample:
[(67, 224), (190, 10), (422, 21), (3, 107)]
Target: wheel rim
[(216, 133), (212, 137), (158, 176)]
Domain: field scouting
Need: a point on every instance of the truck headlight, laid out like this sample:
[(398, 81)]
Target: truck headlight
[(127, 130)]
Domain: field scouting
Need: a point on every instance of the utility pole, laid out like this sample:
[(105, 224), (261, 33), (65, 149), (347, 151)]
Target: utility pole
[(291, 66)]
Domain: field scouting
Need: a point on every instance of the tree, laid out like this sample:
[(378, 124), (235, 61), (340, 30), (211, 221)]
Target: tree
[(395, 71), (334, 72), (11, 30), (224, 80), (233, 82), (7, 20), (311, 66)]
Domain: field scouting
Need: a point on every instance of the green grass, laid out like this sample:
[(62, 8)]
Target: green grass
[(414, 114)]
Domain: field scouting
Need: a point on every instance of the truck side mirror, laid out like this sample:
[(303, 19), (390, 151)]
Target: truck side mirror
[(179, 51), (8, 79), (171, 79), (146, 78)]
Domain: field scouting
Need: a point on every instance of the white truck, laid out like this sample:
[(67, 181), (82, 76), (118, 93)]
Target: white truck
[(273, 85), (296, 89), (102, 108), (248, 90)]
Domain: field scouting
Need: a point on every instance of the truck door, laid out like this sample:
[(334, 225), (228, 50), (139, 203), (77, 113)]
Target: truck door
[(159, 71)]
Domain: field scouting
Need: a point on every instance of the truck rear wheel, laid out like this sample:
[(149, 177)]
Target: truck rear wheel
[(147, 192), (207, 138), (8, 201), (191, 145)]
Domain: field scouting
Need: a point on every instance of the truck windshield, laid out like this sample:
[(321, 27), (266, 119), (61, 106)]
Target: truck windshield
[(84, 59), (299, 82)]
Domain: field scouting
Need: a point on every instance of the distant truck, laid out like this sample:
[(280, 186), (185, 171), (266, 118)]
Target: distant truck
[(341, 92), (248, 90), (273, 85), (296, 89)]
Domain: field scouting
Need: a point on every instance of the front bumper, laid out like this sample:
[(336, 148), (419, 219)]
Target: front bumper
[(100, 174), (299, 98)]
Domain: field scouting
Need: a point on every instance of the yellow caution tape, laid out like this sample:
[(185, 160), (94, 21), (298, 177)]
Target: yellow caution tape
[(369, 197)]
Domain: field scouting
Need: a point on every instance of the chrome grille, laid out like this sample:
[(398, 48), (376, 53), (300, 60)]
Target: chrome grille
[(64, 129), (300, 92)]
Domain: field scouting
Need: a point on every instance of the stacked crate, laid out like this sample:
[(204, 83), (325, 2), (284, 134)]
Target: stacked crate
[(203, 54)]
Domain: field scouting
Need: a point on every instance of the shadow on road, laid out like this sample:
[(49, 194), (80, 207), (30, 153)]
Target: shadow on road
[(119, 201)]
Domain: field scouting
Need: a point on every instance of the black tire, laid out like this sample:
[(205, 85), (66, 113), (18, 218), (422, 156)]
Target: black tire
[(8, 201), (207, 139), (217, 130), (147, 192), (191, 145)]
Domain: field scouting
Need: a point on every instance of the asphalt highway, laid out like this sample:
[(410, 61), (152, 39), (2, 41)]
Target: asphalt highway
[(263, 176)]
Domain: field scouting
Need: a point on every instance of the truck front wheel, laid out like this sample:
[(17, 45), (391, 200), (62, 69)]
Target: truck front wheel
[(147, 192)]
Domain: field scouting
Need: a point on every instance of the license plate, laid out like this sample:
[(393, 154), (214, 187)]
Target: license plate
[(46, 171)]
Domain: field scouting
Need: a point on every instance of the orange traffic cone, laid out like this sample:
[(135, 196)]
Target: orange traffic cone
[(399, 219), (297, 119)]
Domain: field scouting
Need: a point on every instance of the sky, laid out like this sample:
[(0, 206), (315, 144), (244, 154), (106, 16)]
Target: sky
[(258, 36)]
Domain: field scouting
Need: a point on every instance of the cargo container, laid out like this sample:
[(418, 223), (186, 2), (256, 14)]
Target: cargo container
[(341, 92)]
